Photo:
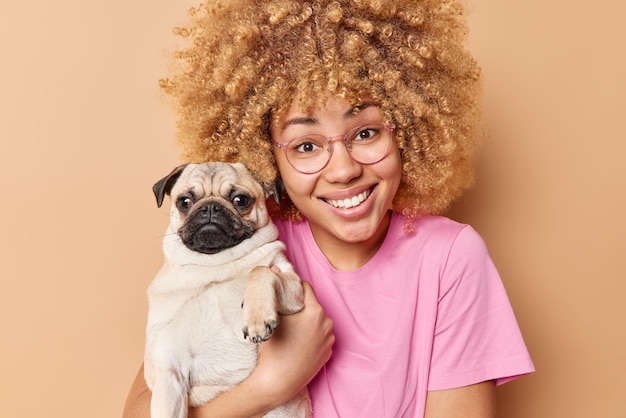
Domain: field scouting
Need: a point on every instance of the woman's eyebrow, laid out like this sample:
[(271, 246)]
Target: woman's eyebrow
[(304, 120), (356, 109)]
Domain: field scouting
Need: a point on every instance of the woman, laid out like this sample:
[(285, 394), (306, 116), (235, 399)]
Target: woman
[(365, 113)]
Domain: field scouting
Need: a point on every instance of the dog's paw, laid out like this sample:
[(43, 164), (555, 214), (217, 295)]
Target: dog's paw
[(260, 306), (259, 322)]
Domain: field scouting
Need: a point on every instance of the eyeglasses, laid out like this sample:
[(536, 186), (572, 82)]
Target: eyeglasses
[(367, 144)]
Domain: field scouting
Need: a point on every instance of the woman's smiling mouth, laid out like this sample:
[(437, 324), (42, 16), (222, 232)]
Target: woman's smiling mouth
[(350, 202)]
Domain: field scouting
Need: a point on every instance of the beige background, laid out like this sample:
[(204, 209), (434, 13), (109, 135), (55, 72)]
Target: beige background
[(85, 134)]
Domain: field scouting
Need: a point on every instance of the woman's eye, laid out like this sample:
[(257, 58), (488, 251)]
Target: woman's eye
[(184, 203), (306, 147), (365, 134), (242, 201)]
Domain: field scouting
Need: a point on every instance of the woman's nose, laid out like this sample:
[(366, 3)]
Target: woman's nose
[(341, 168)]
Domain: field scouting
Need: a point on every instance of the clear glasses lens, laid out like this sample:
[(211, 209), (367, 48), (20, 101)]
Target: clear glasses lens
[(367, 145)]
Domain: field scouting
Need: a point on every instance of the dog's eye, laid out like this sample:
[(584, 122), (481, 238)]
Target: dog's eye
[(241, 201), (184, 203)]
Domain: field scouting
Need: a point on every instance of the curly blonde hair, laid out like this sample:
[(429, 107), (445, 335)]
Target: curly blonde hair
[(244, 62)]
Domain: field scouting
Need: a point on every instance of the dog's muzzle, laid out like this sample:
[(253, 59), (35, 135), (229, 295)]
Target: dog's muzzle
[(212, 228)]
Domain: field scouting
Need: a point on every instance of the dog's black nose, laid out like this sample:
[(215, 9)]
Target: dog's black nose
[(211, 208)]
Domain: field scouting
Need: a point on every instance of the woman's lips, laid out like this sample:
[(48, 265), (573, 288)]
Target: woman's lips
[(351, 201)]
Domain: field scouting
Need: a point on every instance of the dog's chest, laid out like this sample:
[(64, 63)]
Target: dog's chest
[(204, 335)]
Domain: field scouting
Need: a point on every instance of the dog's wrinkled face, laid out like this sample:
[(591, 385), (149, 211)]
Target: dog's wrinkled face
[(215, 206)]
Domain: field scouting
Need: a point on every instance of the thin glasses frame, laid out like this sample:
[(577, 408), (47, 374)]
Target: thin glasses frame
[(347, 139)]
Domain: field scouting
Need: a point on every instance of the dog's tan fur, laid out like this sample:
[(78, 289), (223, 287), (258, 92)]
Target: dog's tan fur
[(199, 340)]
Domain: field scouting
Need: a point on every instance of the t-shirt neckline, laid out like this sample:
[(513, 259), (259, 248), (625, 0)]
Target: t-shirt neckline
[(362, 272)]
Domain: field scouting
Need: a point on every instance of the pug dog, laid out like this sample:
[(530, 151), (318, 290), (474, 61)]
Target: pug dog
[(217, 294)]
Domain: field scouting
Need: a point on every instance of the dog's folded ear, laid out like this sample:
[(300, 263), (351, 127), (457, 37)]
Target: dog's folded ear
[(275, 189), (164, 186)]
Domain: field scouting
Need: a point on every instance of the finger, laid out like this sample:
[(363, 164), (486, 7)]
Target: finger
[(309, 294), (308, 290)]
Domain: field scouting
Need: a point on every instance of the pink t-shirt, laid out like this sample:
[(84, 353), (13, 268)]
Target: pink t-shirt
[(427, 312)]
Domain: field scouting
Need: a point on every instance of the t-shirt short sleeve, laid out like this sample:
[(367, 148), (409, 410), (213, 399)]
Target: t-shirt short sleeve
[(476, 334)]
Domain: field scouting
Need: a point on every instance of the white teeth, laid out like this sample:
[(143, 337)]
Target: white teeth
[(350, 203)]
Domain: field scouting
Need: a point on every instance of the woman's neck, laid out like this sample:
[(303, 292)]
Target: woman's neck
[(345, 255)]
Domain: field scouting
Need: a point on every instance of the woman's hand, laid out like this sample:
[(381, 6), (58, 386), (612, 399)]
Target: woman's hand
[(301, 345)]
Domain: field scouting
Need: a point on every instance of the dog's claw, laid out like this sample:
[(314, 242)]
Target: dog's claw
[(259, 338), (259, 330)]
